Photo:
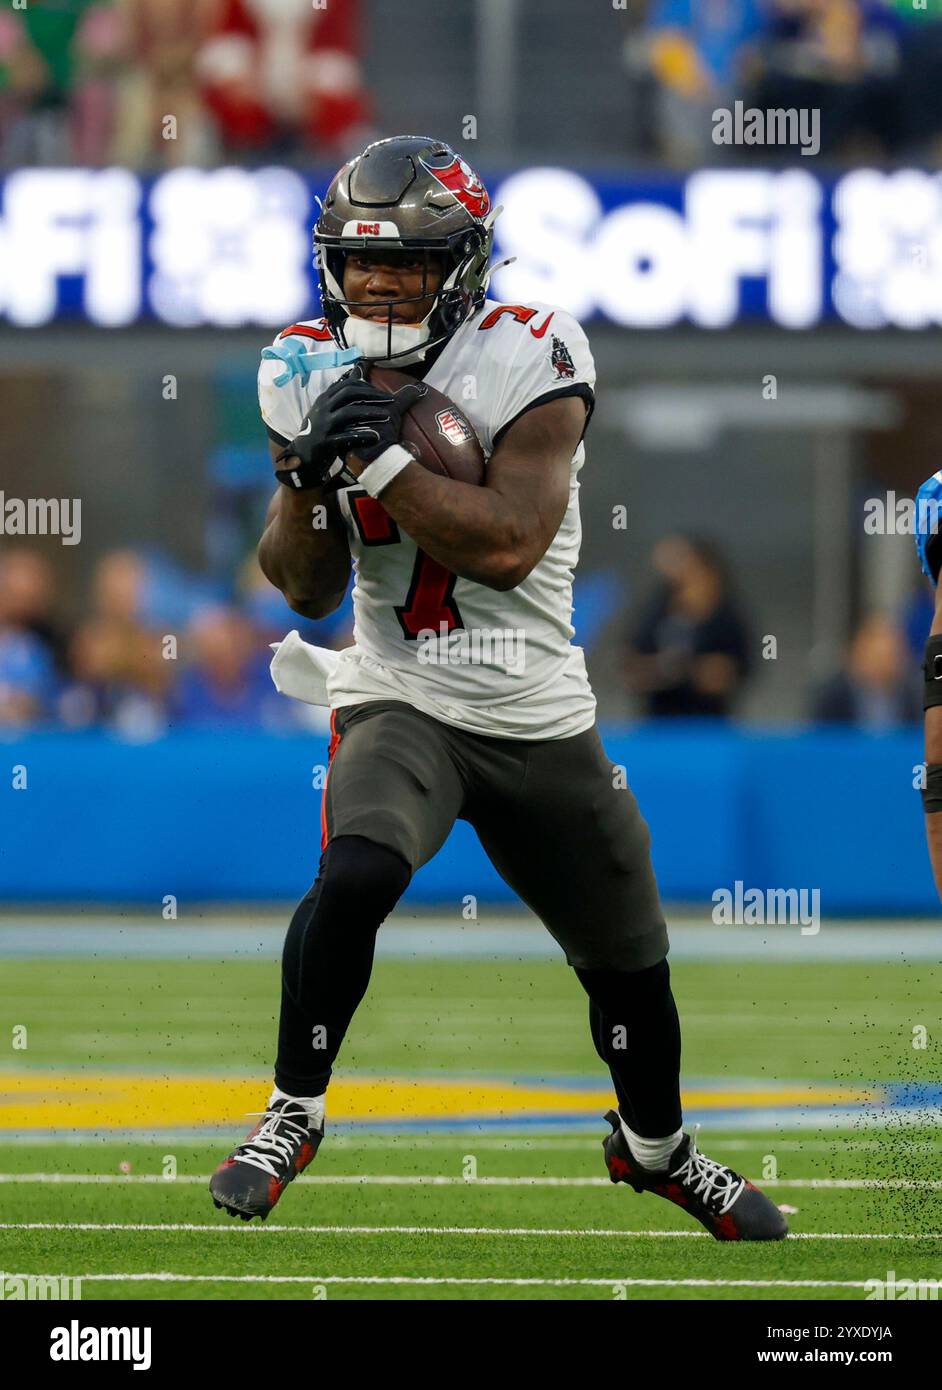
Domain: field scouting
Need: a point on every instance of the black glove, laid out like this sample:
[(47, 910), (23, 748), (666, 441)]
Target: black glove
[(378, 413), (326, 435), (350, 416)]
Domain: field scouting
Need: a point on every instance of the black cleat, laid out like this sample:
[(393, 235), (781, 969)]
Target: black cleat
[(249, 1182), (728, 1205)]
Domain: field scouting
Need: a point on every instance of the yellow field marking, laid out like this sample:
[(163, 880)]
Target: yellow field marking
[(116, 1100)]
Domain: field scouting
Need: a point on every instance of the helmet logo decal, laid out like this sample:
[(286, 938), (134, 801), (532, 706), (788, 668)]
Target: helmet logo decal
[(384, 229), (461, 180)]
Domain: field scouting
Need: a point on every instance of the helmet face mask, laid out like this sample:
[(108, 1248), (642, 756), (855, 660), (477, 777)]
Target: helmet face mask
[(407, 194)]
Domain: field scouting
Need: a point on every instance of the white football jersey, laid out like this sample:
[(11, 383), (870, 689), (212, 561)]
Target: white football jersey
[(501, 664)]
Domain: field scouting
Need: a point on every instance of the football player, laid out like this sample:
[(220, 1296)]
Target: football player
[(403, 245), (929, 550)]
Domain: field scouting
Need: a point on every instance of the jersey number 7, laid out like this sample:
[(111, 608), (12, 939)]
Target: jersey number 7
[(429, 602)]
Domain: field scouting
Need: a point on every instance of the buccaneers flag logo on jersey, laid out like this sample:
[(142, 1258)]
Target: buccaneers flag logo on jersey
[(561, 359), (461, 180)]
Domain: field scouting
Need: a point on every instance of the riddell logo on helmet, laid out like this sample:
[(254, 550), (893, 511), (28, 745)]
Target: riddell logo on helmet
[(367, 229)]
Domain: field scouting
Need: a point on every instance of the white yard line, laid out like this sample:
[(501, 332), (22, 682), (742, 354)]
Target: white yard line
[(242, 1227), (165, 1277), (448, 1180)]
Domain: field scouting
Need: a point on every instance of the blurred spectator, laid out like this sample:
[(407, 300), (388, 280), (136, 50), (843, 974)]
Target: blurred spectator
[(688, 653), (93, 81), (27, 678), (57, 65), (100, 56), (28, 639), (30, 642), (225, 683), (921, 58), (28, 599), (869, 67), (119, 674), (283, 76), (698, 54), (841, 57), (163, 39), (876, 688), (118, 670)]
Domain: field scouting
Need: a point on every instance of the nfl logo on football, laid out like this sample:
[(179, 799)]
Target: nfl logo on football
[(455, 429)]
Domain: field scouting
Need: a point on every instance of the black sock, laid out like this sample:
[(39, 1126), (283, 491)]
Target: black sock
[(636, 1032), (328, 957)]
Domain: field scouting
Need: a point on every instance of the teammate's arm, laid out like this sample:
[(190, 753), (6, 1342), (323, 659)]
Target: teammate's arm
[(933, 736), (494, 534), (311, 566), (929, 551)]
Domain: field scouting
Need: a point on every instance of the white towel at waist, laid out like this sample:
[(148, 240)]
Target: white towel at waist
[(301, 670)]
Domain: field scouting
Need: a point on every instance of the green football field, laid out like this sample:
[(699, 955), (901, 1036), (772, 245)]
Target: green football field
[(463, 1154)]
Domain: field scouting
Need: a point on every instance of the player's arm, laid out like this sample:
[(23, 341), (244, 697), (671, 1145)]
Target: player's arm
[(495, 534), (304, 549), (309, 563)]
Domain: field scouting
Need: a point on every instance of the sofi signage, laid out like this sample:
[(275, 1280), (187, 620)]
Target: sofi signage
[(231, 247)]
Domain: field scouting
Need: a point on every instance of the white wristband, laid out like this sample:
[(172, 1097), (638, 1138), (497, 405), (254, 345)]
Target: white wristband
[(381, 471)]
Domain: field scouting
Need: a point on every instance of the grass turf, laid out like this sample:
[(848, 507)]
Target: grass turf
[(847, 1022), (841, 1021)]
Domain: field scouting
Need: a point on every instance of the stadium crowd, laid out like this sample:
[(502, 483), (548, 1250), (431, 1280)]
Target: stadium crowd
[(690, 651), (94, 81), (870, 67), (154, 649), (157, 649)]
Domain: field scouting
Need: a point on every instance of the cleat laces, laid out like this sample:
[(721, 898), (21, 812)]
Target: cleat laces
[(716, 1184), (270, 1150)]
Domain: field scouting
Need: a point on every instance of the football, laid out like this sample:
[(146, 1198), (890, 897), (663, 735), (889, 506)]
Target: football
[(441, 435)]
